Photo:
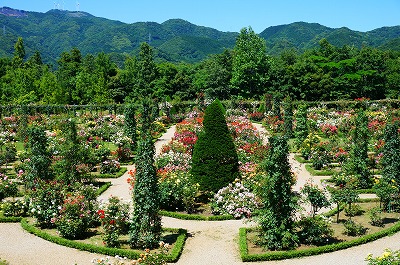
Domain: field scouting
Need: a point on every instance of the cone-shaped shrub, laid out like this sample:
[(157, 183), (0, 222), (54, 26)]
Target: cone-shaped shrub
[(214, 160)]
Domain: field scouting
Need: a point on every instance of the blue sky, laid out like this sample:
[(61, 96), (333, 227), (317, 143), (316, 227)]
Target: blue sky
[(232, 15)]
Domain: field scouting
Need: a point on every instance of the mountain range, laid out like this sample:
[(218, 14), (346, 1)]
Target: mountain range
[(174, 40)]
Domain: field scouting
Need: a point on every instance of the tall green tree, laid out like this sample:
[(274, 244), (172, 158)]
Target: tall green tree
[(145, 229), (213, 76), (19, 53), (250, 64), (147, 72), (214, 160), (276, 218), (70, 65)]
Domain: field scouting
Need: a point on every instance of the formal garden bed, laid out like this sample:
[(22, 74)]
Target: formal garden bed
[(173, 241), (252, 187), (369, 224)]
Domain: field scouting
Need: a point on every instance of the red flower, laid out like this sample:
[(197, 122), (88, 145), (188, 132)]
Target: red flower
[(101, 214)]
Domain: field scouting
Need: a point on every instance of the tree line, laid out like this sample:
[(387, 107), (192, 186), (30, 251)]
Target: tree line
[(244, 72)]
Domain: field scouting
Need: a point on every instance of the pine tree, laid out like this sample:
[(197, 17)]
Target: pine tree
[(145, 230), (214, 160), (276, 218)]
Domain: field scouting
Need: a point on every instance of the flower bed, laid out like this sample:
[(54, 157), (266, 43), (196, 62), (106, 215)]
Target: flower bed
[(180, 236), (173, 167), (252, 252)]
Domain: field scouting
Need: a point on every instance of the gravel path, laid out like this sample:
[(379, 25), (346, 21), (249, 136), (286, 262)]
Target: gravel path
[(208, 243)]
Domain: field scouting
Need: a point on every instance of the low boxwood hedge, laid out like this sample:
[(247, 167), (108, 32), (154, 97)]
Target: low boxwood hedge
[(121, 171), (314, 172), (184, 216), (10, 219), (301, 159), (128, 253), (280, 255), (103, 188)]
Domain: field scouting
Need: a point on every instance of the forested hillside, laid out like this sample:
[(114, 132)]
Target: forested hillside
[(326, 72), (175, 40)]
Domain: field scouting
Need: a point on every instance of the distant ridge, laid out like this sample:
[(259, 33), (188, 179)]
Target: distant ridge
[(175, 40), (10, 12)]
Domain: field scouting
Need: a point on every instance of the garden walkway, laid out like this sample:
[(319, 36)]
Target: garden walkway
[(208, 243)]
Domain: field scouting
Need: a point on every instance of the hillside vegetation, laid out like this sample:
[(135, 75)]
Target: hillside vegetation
[(175, 40)]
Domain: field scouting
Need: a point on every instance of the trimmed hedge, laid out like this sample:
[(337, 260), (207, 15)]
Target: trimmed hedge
[(314, 172), (301, 159), (128, 253), (10, 219), (280, 255), (103, 188), (184, 216), (121, 171)]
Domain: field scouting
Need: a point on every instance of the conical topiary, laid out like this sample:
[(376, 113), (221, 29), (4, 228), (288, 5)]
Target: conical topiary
[(214, 160)]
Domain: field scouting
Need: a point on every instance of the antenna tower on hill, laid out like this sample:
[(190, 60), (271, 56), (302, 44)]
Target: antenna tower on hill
[(77, 6)]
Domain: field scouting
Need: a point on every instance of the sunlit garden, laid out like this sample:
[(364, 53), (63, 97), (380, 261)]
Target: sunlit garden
[(217, 166)]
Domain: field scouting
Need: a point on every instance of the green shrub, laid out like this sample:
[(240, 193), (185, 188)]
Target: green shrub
[(177, 192), (354, 229), (214, 160), (354, 210), (375, 215), (74, 217), (16, 208), (45, 202), (114, 218), (8, 187), (314, 230), (109, 167)]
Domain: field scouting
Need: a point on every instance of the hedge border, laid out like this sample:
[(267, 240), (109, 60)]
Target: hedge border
[(198, 217), (131, 254), (281, 255), (300, 159), (318, 173), (103, 188), (11, 219), (121, 172)]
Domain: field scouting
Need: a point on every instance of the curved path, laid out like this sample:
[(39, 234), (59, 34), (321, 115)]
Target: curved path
[(208, 243)]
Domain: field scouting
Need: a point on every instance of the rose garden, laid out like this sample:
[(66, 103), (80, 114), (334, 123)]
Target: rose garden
[(57, 161)]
